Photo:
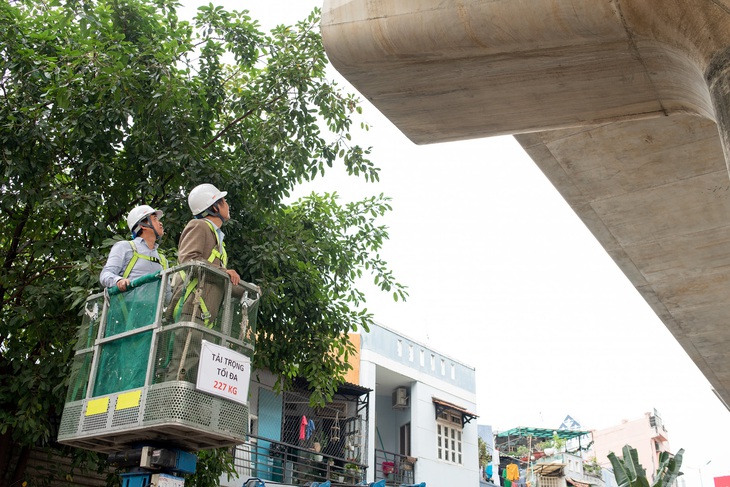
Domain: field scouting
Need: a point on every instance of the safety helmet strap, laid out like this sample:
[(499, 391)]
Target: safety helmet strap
[(146, 223)]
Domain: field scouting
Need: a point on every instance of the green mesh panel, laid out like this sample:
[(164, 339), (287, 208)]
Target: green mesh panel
[(79, 377), (178, 354), (123, 362), (198, 296), (133, 309)]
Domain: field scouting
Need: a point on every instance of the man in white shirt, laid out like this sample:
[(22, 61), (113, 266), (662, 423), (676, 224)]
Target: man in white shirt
[(134, 258)]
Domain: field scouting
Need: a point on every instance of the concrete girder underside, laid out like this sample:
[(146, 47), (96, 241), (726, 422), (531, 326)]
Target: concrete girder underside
[(623, 104)]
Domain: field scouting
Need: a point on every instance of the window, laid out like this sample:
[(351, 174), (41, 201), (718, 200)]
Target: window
[(448, 433), (422, 357), (405, 440), (410, 353), (399, 346)]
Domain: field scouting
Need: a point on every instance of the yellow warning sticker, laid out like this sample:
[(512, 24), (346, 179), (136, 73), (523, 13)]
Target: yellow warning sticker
[(128, 400), (97, 406)]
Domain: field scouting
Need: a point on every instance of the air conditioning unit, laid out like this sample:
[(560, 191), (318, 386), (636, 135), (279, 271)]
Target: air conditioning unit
[(400, 397)]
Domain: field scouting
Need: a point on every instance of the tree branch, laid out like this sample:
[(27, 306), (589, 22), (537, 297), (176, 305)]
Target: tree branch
[(236, 121), (12, 253)]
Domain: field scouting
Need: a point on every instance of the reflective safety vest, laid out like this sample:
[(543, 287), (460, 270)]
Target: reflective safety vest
[(162, 260), (215, 253)]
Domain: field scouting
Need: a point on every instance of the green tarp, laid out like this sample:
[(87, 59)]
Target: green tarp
[(123, 362)]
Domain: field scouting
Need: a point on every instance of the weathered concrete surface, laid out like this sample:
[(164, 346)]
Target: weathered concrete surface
[(617, 101)]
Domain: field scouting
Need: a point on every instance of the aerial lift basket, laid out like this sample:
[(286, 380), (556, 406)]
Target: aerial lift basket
[(134, 377)]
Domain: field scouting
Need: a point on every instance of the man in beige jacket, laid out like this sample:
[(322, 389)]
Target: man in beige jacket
[(202, 240), (198, 294)]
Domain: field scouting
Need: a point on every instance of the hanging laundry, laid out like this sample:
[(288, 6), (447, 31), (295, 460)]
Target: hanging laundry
[(303, 428), (310, 429), (513, 472)]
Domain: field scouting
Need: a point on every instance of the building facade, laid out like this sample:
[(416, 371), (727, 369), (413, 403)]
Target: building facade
[(423, 428), (647, 434), (404, 415)]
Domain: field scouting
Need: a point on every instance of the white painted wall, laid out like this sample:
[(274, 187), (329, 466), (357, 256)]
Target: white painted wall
[(456, 384)]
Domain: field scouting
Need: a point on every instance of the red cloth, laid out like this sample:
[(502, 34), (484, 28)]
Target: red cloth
[(303, 428)]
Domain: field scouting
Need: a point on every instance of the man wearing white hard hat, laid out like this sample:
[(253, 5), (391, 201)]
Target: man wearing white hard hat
[(134, 258), (202, 240), (134, 307)]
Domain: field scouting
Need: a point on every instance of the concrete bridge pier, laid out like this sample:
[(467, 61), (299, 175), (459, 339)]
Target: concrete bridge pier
[(623, 104), (718, 81)]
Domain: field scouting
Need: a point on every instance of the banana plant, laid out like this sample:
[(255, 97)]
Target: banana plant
[(629, 472), (668, 470)]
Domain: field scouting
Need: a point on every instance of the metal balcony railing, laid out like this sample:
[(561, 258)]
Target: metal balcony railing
[(396, 469), (290, 464), (543, 481)]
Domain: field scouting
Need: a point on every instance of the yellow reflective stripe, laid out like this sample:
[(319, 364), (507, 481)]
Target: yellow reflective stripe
[(224, 257), (184, 297), (162, 260), (205, 314), (130, 266), (215, 253), (128, 400), (150, 258), (97, 406), (132, 261)]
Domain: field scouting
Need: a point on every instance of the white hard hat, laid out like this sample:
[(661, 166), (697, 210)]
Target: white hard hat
[(203, 196), (139, 213)]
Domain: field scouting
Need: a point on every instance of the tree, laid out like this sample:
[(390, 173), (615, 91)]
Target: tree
[(105, 104), (484, 456), (629, 472)]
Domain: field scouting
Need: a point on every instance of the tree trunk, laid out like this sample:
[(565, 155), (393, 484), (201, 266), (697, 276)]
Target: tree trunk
[(21, 466), (6, 453)]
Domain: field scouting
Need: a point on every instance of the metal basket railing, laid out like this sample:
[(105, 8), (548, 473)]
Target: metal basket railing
[(136, 373)]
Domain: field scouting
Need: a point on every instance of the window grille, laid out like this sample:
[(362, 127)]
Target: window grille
[(448, 437)]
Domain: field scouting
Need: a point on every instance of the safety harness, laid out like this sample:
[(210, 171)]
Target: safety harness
[(218, 252), (162, 260)]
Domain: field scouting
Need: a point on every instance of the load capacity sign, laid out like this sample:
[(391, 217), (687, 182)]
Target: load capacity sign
[(223, 372)]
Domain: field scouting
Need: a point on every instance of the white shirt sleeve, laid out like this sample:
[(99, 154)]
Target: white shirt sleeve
[(119, 257)]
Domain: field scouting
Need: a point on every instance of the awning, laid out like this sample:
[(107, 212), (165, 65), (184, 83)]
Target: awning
[(442, 406), (549, 469), (345, 389), (576, 483)]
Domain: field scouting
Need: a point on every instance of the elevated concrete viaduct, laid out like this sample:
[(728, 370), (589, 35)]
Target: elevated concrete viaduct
[(623, 104)]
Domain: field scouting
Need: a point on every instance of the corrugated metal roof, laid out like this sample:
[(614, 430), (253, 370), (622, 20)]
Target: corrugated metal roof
[(542, 433)]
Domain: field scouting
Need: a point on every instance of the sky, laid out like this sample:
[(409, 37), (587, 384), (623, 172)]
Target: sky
[(504, 277)]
